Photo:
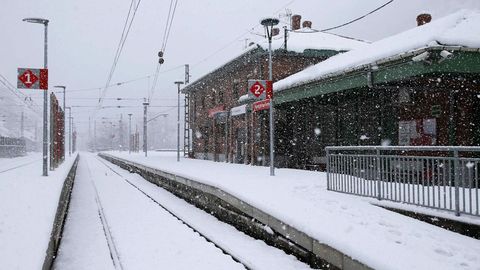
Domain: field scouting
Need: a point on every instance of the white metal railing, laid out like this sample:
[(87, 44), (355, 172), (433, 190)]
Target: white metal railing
[(438, 177)]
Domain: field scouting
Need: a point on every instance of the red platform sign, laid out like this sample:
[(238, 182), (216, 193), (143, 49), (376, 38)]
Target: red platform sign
[(30, 78), (261, 105), (215, 110), (260, 89), (257, 89)]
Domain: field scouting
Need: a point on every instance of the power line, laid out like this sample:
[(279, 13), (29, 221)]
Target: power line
[(19, 95), (126, 30), (239, 37), (168, 27), (356, 19)]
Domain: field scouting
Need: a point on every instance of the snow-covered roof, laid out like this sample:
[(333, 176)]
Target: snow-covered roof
[(458, 29), (306, 38), (298, 41)]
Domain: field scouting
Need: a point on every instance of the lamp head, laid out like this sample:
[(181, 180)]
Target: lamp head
[(178, 82), (60, 86), (36, 20), (269, 22)]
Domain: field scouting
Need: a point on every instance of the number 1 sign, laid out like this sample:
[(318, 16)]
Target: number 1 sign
[(32, 78)]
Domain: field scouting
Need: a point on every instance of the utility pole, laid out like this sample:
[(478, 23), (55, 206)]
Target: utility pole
[(89, 131), (129, 133), (145, 106), (95, 135), (70, 124), (120, 131), (22, 125), (187, 74), (70, 132), (178, 83)]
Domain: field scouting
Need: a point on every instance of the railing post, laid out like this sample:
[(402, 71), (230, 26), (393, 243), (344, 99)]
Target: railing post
[(456, 170), (328, 169), (379, 174)]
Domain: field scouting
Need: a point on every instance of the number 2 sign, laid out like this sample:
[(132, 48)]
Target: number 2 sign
[(257, 88)]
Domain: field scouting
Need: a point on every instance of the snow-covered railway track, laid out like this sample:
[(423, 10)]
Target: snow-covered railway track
[(19, 166), (114, 254), (106, 229)]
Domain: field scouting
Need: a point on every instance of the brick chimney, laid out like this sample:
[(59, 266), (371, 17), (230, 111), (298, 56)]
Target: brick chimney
[(275, 31), (423, 19), (296, 21), (307, 24)]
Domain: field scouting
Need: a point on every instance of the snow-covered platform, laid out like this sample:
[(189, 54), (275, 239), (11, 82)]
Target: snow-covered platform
[(348, 225), (28, 205)]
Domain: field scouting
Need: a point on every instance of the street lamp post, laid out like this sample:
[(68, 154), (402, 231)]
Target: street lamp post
[(64, 112), (178, 83), (269, 23), (45, 93), (129, 133)]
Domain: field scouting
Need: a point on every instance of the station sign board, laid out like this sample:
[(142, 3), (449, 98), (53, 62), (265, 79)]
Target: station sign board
[(239, 110), (32, 78), (213, 111), (260, 89), (261, 105)]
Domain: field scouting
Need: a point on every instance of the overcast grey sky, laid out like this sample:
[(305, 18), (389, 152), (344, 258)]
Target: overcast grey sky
[(83, 36)]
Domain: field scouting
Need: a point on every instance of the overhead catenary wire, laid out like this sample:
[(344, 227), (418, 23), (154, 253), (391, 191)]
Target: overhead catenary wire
[(121, 82), (168, 26), (239, 37), (126, 30), (22, 98)]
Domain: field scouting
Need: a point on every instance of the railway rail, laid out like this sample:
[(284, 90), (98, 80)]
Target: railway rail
[(113, 250)]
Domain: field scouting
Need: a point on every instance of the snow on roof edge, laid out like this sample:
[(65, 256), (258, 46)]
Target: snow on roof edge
[(456, 29)]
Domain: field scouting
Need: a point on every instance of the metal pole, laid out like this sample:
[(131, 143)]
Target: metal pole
[(145, 149), (129, 133), (64, 118), (272, 127), (95, 135), (72, 126), (178, 124), (70, 132), (45, 106), (22, 126), (178, 120), (456, 171)]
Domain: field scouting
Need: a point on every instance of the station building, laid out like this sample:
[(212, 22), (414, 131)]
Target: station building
[(224, 128), (420, 87)]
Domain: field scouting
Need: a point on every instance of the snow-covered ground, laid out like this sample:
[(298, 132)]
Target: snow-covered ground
[(146, 236), (28, 203), (375, 236), (7, 164)]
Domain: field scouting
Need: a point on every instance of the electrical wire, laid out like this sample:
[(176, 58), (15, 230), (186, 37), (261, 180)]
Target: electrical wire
[(168, 27), (28, 102), (356, 19), (250, 31), (126, 30)]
